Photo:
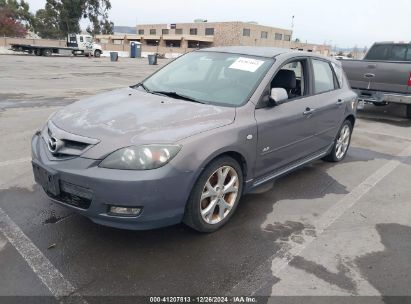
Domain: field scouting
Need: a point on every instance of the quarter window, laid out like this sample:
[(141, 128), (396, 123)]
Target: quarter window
[(339, 73), (323, 77), (246, 32)]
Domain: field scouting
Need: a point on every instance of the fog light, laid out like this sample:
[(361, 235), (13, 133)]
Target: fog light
[(124, 211)]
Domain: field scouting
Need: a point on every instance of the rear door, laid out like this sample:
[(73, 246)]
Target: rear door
[(329, 101)]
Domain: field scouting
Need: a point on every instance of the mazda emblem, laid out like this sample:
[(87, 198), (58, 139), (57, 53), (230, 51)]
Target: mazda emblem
[(54, 145)]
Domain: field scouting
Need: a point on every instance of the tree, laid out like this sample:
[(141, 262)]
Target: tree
[(9, 26), (61, 17), (15, 18), (47, 24)]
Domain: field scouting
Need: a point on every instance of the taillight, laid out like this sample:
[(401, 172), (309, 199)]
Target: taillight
[(409, 81)]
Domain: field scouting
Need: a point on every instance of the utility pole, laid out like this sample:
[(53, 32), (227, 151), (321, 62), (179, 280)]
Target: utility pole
[(292, 27)]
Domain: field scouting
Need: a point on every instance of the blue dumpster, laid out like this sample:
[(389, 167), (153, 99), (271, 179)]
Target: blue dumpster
[(135, 50)]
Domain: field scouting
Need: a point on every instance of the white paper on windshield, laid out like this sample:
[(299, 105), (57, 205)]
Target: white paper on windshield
[(246, 64)]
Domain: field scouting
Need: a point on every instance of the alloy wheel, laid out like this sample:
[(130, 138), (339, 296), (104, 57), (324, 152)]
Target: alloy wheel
[(343, 142), (219, 195)]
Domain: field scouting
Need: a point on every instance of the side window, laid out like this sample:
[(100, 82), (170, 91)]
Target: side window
[(323, 77), (379, 52), (291, 78), (339, 73), (398, 52), (81, 38), (408, 58)]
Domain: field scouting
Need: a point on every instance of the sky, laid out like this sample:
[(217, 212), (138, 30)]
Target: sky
[(343, 23)]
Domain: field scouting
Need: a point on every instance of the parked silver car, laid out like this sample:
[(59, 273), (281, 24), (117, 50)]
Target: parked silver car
[(186, 143)]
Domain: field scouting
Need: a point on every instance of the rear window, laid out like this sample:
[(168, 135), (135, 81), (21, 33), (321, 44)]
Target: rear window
[(390, 52), (323, 77)]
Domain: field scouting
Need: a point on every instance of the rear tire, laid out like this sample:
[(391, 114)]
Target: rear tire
[(47, 52), (97, 53), (341, 143), (37, 52), (408, 113), (215, 196)]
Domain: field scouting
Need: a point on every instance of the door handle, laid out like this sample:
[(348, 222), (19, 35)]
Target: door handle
[(369, 75), (340, 102), (308, 112)]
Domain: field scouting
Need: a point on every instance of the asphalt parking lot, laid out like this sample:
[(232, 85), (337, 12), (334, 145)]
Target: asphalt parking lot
[(325, 230)]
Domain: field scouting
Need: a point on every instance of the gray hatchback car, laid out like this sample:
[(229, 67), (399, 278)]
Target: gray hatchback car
[(186, 143)]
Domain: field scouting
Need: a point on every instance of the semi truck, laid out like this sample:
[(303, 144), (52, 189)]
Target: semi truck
[(383, 76), (76, 43)]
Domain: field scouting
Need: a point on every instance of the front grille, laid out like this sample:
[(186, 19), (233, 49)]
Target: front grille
[(66, 145), (73, 195)]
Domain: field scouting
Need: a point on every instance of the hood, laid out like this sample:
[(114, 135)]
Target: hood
[(128, 117)]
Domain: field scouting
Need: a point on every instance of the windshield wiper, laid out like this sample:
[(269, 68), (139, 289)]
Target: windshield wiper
[(177, 96), (143, 86)]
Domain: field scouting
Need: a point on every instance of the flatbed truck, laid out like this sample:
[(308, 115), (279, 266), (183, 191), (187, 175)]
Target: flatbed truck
[(76, 43)]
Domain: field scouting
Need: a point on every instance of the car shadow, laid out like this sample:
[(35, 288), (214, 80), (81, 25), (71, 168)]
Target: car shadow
[(389, 271), (393, 114)]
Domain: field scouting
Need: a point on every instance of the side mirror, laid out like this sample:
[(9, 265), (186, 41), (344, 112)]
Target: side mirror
[(278, 96)]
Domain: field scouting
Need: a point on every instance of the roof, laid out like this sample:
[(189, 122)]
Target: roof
[(269, 52), (250, 50)]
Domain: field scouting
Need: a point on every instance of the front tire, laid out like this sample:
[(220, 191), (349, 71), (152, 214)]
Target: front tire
[(215, 196), (341, 144)]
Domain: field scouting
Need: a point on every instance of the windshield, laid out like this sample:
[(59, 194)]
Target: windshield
[(216, 78)]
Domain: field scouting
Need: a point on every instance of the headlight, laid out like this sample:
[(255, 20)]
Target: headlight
[(146, 157)]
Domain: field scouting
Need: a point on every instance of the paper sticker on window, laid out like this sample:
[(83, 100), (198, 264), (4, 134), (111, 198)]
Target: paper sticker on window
[(246, 64)]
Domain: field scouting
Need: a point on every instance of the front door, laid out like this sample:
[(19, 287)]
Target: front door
[(286, 133)]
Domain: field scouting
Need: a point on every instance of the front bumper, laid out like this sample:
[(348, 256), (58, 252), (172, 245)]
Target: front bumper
[(382, 97), (89, 190)]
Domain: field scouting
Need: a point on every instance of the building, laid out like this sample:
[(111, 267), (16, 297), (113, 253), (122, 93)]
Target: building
[(184, 37)]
